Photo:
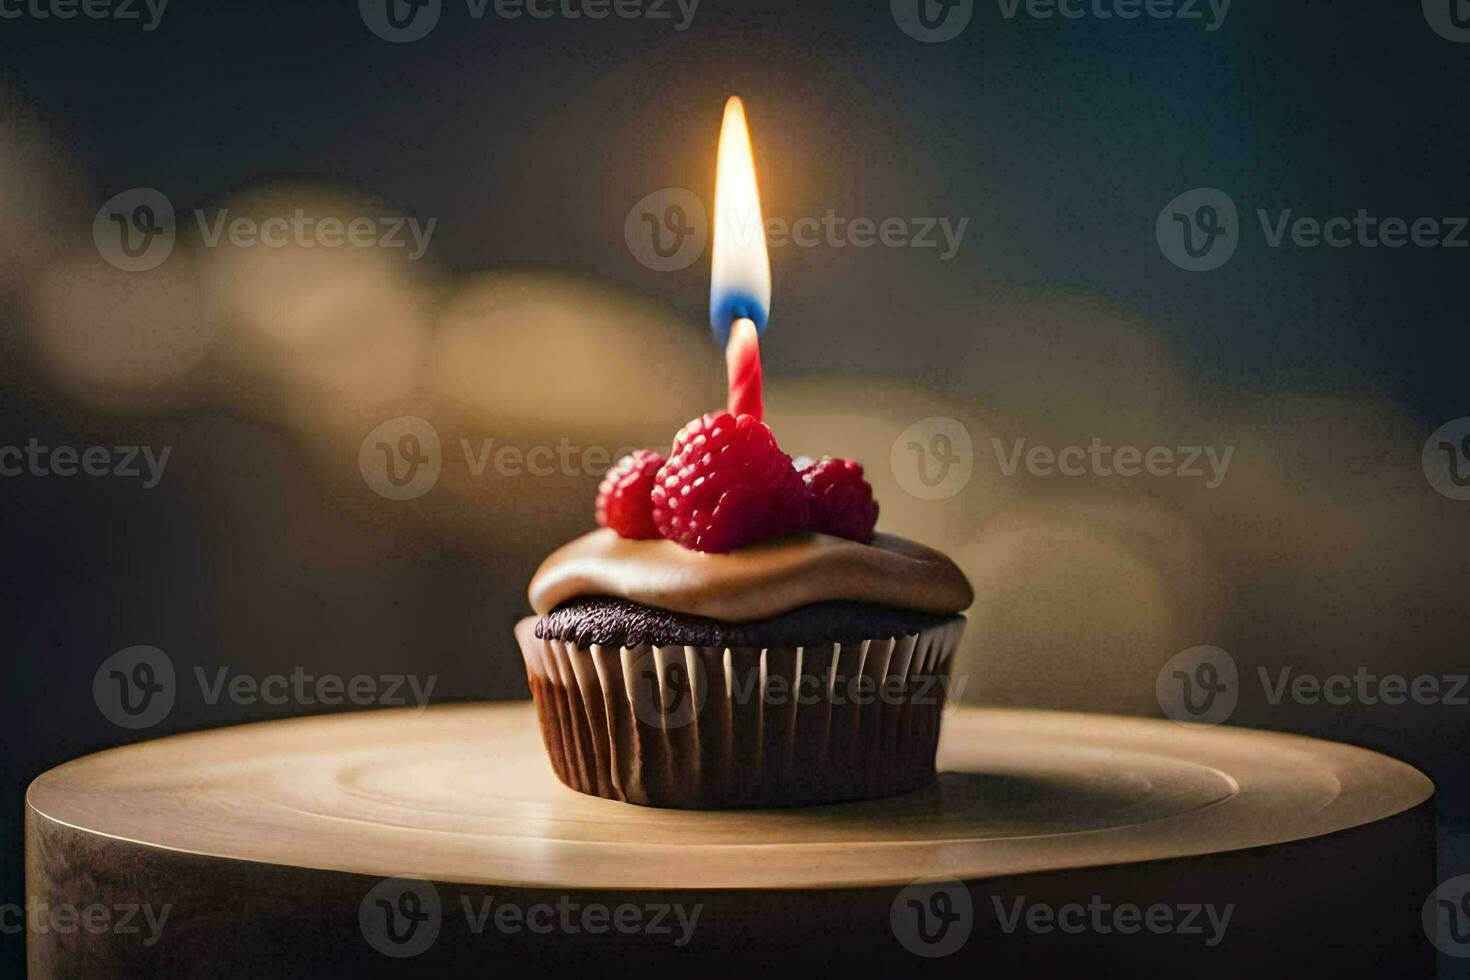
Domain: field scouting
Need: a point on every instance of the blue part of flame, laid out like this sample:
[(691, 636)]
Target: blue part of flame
[(726, 308)]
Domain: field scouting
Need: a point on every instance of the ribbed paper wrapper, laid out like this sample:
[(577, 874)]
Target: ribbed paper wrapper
[(720, 727)]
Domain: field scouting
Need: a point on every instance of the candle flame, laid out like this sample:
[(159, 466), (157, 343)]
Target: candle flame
[(740, 283)]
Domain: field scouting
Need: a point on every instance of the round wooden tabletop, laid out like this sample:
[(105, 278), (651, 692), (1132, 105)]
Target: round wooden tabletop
[(464, 794)]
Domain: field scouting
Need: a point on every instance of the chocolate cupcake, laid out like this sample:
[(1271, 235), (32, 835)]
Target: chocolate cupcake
[(781, 669)]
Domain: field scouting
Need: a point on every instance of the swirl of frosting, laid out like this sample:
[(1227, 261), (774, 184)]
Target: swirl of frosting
[(754, 582)]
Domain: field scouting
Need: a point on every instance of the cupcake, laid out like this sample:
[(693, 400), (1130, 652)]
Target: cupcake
[(737, 635)]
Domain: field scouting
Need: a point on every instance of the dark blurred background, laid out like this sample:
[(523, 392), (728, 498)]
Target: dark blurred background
[(532, 320)]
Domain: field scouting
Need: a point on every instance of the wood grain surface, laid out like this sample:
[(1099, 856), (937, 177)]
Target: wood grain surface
[(265, 838), (463, 793)]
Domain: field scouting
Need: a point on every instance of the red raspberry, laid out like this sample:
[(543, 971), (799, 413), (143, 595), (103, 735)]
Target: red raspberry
[(623, 500), (841, 500), (727, 484)]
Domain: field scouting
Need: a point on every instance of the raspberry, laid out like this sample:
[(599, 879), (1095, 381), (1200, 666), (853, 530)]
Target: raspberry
[(623, 500), (841, 500), (727, 484)]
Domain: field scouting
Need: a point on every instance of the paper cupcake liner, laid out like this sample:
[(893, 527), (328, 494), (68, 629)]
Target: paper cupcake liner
[(716, 727)]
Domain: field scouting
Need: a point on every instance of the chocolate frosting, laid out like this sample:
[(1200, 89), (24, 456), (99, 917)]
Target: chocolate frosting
[(755, 582)]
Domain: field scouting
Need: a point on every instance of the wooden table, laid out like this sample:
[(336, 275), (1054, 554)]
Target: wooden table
[(269, 846)]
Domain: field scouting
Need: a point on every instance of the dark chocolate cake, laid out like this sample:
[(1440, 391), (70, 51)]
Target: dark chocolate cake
[(610, 621)]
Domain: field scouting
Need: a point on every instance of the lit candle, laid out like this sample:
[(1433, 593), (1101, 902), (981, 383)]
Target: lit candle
[(740, 280), (743, 364)]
